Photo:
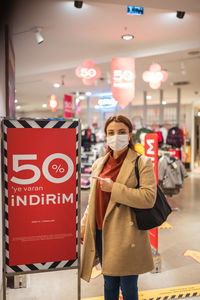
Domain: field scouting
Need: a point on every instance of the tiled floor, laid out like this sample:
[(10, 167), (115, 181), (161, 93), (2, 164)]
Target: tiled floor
[(177, 270)]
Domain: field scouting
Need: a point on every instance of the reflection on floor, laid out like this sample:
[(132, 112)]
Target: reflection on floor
[(176, 269)]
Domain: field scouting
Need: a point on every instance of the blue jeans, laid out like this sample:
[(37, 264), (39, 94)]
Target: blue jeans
[(128, 284)]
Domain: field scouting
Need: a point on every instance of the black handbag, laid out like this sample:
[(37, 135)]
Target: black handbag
[(155, 216)]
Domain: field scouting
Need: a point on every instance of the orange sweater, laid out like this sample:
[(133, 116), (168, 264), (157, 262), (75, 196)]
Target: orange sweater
[(111, 170)]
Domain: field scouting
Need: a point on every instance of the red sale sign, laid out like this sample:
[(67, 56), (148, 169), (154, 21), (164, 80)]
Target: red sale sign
[(151, 150), (41, 176), (123, 80), (88, 72), (67, 106)]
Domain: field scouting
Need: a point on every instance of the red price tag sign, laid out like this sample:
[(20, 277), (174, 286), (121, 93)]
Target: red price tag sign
[(41, 195), (123, 80)]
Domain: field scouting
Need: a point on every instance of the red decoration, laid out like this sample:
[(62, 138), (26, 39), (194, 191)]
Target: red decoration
[(88, 72), (151, 150), (123, 80), (67, 106), (53, 103), (154, 76)]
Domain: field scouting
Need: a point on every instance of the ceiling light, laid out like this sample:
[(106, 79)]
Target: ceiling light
[(127, 37), (18, 107), (56, 85), (88, 94), (148, 97), (38, 36), (78, 4), (44, 105), (82, 97), (164, 102), (16, 100), (180, 14), (198, 114)]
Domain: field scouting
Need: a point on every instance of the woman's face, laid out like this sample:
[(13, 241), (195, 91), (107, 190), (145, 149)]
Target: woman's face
[(117, 128)]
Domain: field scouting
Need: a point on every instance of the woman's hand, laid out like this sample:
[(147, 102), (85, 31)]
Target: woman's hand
[(106, 184)]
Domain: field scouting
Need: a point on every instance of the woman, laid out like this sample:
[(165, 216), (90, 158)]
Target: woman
[(108, 227)]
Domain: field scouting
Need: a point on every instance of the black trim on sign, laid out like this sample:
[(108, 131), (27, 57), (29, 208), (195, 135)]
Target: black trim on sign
[(42, 124), (7, 246), (7, 231), (5, 169), (6, 184), (73, 125), (54, 265), (58, 124), (5, 137), (6, 200), (32, 267), (24, 124), (5, 153), (16, 269), (9, 124), (6, 215), (69, 263)]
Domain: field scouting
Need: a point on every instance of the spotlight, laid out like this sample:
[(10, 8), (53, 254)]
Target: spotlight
[(78, 4), (180, 14), (38, 36)]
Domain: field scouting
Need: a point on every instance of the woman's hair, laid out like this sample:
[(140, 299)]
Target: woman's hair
[(125, 121)]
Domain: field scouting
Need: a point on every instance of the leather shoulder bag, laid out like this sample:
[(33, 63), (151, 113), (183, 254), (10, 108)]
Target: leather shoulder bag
[(155, 216)]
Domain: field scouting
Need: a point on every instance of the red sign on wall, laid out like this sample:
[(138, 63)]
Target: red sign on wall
[(67, 106), (123, 80), (88, 72), (151, 150), (41, 167)]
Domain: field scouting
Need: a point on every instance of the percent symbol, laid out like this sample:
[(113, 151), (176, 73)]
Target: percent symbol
[(58, 168)]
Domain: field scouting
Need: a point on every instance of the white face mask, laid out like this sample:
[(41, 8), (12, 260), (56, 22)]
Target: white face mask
[(118, 142)]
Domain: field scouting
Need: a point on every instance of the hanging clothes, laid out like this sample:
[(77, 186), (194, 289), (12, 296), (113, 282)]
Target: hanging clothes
[(175, 137), (171, 175)]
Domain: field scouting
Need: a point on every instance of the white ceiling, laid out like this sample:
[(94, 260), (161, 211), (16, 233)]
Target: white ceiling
[(94, 32)]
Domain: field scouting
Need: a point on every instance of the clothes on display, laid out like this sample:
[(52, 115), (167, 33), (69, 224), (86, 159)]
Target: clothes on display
[(175, 137), (171, 175)]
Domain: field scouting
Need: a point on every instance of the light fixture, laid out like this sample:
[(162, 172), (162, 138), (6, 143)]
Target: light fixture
[(82, 97), (78, 4), (44, 105), (180, 14), (127, 37), (38, 36), (148, 97), (164, 102), (198, 114), (56, 85), (18, 107), (53, 103), (88, 94), (16, 101)]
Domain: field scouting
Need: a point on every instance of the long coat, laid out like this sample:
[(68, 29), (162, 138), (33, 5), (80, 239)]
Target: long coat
[(126, 250)]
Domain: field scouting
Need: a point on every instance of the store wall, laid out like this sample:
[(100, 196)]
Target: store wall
[(2, 114)]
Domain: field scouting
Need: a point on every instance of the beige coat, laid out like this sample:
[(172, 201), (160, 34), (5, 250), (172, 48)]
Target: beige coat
[(126, 250)]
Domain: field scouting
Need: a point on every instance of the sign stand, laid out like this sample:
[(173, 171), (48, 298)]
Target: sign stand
[(151, 150), (41, 197)]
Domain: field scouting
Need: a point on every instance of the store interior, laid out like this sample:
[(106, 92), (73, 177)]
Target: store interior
[(50, 40)]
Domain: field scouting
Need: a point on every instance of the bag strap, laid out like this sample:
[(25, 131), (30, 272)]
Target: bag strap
[(137, 172)]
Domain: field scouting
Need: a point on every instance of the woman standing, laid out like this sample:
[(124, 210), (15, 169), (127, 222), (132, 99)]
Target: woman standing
[(108, 227)]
